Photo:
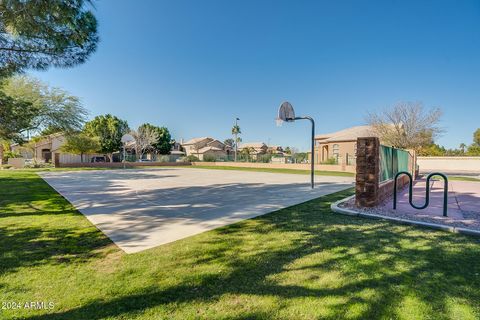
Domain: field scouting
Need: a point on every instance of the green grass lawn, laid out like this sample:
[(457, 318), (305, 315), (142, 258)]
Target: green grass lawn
[(471, 179), (274, 170), (303, 262)]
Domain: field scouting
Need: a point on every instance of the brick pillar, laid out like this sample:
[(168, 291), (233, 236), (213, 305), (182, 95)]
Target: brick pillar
[(368, 171)]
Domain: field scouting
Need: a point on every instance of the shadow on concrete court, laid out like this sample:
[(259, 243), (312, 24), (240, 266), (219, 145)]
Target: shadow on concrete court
[(141, 209)]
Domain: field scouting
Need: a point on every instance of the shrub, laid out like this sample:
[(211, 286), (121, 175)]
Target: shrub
[(191, 158), (265, 158), (38, 165), (330, 161), (209, 158), (10, 154), (164, 158)]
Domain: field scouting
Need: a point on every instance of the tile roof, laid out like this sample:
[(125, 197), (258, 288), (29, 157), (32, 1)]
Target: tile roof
[(348, 134), (209, 148), (195, 140), (252, 145)]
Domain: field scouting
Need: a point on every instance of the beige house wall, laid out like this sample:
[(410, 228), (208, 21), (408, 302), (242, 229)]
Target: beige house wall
[(57, 143), (190, 149), (193, 149), (325, 151), (52, 143)]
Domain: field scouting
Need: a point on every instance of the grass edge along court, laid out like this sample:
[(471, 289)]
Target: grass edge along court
[(301, 262), (275, 170)]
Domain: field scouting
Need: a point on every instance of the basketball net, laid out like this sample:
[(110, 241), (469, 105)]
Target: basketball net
[(279, 122)]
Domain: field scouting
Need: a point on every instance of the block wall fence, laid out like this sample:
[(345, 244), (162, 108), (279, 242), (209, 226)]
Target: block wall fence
[(369, 191)]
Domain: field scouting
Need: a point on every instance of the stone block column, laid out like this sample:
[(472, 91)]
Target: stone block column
[(368, 172)]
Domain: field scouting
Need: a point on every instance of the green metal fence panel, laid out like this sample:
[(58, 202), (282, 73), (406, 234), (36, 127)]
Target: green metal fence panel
[(392, 161)]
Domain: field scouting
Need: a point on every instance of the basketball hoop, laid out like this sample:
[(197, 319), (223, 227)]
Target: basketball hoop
[(286, 112), (126, 138)]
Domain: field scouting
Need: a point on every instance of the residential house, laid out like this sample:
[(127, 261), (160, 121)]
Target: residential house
[(45, 150), (200, 147), (150, 155), (176, 152), (42, 150), (257, 148), (340, 145), (275, 150)]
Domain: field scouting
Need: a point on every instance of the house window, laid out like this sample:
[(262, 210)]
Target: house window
[(336, 150)]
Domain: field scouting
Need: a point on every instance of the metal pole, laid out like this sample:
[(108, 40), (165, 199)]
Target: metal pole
[(312, 150), (236, 139), (124, 155)]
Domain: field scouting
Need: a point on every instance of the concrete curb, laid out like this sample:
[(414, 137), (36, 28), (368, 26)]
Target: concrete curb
[(335, 208)]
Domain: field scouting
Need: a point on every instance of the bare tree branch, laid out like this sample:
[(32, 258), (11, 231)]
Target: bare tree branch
[(407, 125), (145, 137)]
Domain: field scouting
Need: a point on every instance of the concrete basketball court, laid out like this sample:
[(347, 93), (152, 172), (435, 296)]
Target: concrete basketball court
[(141, 209)]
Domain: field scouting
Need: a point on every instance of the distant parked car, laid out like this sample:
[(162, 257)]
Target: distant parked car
[(98, 159)]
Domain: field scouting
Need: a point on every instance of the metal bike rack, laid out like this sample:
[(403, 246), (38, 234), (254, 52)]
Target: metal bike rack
[(427, 191)]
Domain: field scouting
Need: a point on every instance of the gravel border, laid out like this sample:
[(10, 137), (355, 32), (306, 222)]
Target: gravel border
[(343, 207)]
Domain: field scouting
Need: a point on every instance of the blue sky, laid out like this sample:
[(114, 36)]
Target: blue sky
[(194, 66)]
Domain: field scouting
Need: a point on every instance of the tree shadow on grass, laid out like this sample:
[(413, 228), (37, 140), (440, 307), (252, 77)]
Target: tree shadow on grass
[(32, 246), (26, 243), (24, 195), (394, 262)]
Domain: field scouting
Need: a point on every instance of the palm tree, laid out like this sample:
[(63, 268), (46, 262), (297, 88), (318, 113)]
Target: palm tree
[(247, 151), (462, 147), (236, 129), (235, 132)]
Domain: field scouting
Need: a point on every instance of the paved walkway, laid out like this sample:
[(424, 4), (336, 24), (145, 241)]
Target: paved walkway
[(141, 209), (463, 202)]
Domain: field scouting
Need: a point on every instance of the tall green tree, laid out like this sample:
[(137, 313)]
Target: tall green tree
[(109, 131), (236, 129), (229, 142), (38, 34), (473, 150), (235, 132), (432, 150), (163, 145), (247, 152), (476, 137), (45, 107), (80, 144), (16, 116)]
